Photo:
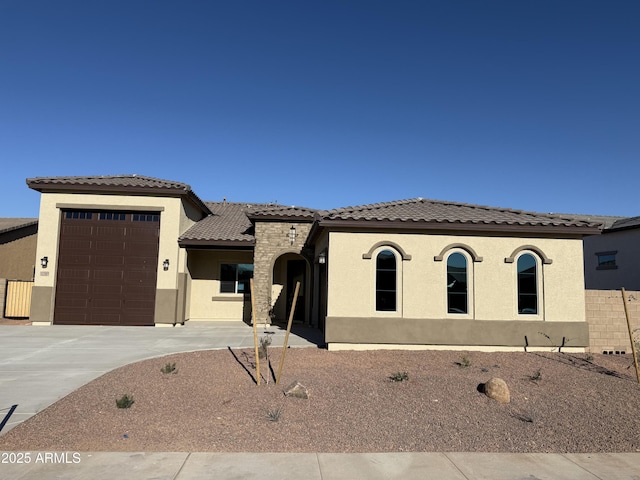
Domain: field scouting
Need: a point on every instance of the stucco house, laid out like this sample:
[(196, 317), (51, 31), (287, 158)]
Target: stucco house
[(135, 250), (612, 259), (17, 247), (17, 256)]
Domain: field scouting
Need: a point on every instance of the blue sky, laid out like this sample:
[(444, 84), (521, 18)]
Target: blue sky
[(533, 105)]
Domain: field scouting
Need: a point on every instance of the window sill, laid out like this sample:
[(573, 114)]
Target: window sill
[(232, 297), (607, 267)]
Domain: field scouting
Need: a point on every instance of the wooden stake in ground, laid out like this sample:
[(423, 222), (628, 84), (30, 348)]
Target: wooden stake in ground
[(286, 337), (255, 332), (633, 345)]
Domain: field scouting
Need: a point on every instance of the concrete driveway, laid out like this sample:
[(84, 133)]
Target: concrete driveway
[(40, 365)]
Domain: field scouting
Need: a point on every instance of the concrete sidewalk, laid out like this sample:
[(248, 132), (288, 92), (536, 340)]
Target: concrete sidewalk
[(327, 466), (40, 365)]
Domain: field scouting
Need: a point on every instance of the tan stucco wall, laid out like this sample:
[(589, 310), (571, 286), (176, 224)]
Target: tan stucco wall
[(18, 257), (422, 281), (172, 222), (205, 300)]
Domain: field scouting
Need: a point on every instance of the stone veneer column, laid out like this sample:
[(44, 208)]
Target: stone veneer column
[(272, 240)]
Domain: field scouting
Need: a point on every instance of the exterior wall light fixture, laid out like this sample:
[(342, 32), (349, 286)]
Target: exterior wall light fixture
[(292, 234), (322, 258), (44, 261), (165, 264)]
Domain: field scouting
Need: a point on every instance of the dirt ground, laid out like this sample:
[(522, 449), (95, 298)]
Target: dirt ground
[(560, 402)]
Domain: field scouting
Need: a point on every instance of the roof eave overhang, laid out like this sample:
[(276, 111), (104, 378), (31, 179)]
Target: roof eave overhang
[(559, 230), (19, 227), (200, 243), (281, 218), (123, 190)]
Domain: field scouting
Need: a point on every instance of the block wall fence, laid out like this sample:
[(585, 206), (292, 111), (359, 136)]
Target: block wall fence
[(608, 331)]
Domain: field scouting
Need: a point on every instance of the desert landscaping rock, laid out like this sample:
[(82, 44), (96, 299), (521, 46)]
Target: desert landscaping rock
[(497, 389), (214, 405), (297, 390)]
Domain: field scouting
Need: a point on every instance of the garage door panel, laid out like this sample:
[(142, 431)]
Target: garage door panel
[(108, 274), (108, 303), (118, 285), (140, 277), (138, 290), (72, 318), (106, 289), (145, 261), (109, 246), (74, 273), (111, 232), (73, 302), (109, 260), (77, 260), (76, 244), (74, 288), (77, 230), (106, 319)]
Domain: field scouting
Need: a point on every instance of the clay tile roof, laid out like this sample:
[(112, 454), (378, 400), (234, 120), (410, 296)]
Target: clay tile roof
[(419, 210), (282, 212), (625, 223), (227, 225), (138, 184), (108, 180), (9, 224)]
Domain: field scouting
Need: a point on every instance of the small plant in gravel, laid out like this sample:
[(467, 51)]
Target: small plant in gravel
[(169, 368), (263, 350), (125, 401), (273, 415), (589, 358), (536, 377), (399, 377), (464, 362)]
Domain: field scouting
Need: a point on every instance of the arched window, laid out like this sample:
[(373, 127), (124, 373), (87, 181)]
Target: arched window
[(527, 285), (386, 288), (457, 285)]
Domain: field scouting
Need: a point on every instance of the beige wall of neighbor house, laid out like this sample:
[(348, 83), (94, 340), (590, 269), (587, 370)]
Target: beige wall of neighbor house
[(173, 219), (206, 301), (608, 330), (18, 255), (422, 290), (626, 271)]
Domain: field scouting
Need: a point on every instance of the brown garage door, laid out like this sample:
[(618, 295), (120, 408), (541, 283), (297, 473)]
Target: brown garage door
[(107, 265)]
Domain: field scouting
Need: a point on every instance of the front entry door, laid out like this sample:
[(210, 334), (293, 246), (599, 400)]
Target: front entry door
[(296, 272)]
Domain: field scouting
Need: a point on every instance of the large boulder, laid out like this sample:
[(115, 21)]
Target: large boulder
[(497, 389)]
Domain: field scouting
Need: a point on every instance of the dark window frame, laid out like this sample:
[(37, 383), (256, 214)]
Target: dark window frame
[(235, 282), (610, 264), (527, 284), (457, 285), (386, 281)]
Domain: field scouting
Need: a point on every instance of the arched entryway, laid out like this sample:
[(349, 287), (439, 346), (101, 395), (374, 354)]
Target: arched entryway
[(288, 269)]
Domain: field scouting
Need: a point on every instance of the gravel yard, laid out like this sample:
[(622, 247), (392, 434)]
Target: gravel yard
[(560, 402)]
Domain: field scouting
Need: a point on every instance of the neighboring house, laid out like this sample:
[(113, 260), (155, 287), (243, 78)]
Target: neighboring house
[(18, 248), (17, 256), (612, 259), (134, 250)]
